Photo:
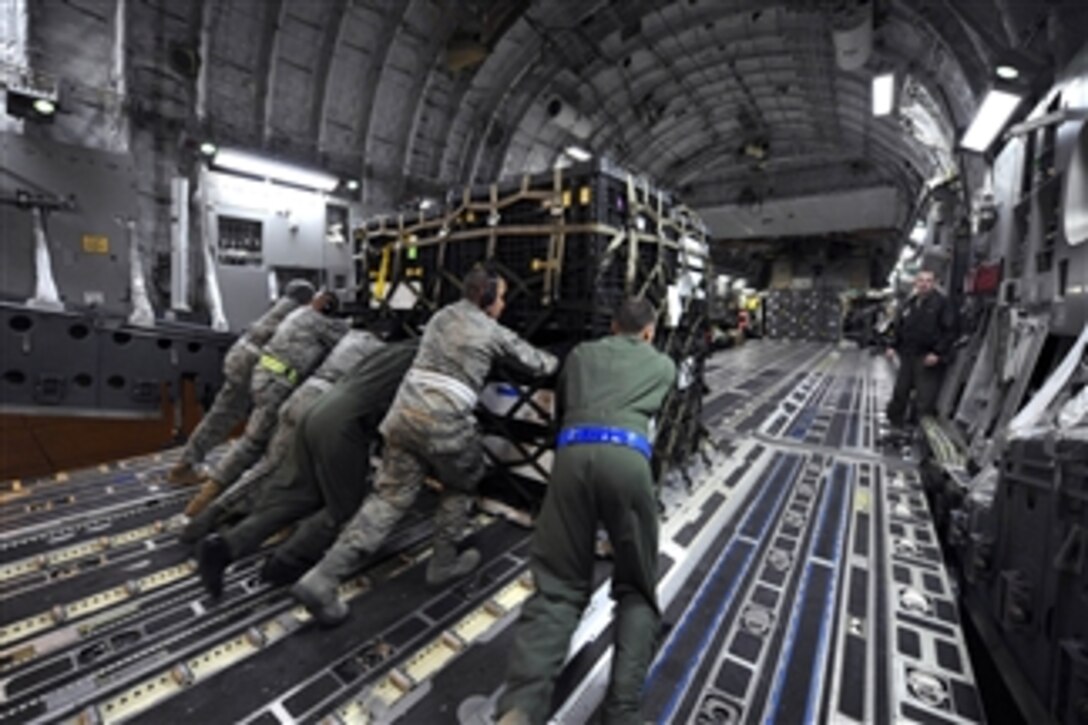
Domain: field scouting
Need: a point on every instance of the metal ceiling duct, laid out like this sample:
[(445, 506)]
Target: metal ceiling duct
[(852, 33), (568, 118)]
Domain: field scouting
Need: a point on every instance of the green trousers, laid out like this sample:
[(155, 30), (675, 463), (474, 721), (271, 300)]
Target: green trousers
[(590, 484), (322, 481)]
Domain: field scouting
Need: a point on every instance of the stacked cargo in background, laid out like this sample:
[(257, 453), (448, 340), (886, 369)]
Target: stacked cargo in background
[(814, 315), (571, 244)]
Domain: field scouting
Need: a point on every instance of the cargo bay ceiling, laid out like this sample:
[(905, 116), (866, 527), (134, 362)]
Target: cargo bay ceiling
[(735, 104)]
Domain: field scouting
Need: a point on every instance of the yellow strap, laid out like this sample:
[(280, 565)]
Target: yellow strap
[(275, 365), (383, 272)]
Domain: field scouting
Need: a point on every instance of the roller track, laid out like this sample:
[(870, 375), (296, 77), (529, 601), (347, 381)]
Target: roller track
[(800, 579)]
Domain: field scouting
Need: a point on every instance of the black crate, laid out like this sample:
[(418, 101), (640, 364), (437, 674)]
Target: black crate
[(563, 243)]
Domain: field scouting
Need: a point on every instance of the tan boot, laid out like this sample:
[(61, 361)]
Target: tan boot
[(208, 492), (183, 474)]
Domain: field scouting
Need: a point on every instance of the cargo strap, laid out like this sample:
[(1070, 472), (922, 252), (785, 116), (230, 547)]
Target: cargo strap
[(446, 383), (595, 434), (273, 364)]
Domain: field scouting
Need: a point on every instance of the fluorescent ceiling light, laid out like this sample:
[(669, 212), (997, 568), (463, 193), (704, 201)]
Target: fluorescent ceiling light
[(996, 110), (45, 107), (208, 148), (578, 153), (353, 184), (883, 94), (1008, 72), (427, 204), (247, 163)]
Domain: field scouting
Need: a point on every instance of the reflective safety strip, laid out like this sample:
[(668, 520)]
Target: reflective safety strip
[(375, 704), (604, 435), (273, 364), (451, 385)]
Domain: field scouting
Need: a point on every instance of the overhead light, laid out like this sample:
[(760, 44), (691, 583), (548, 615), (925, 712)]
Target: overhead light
[(918, 234), (45, 107), (208, 148), (31, 104), (1008, 72), (994, 112), (427, 204), (578, 153), (353, 184), (883, 94), (247, 163), (757, 149)]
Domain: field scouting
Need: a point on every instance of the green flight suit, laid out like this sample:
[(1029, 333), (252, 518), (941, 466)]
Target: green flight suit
[(618, 381), (326, 475)]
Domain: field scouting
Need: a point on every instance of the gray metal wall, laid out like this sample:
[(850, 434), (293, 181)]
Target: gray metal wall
[(103, 186), (294, 235)]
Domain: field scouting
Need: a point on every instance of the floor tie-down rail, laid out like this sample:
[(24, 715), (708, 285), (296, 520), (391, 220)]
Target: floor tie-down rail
[(800, 578)]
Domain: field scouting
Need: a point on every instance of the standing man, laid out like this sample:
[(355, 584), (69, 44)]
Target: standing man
[(924, 333), (301, 342), (608, 391), (431, 428), (232, 401)]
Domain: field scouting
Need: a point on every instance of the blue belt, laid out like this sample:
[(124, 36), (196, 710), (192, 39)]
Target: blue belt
[(589, 434)]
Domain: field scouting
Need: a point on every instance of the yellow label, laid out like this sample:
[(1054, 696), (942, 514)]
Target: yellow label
[(96, 244), (861, 500)]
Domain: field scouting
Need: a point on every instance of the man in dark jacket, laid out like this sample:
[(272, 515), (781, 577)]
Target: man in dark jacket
[(925, 331)]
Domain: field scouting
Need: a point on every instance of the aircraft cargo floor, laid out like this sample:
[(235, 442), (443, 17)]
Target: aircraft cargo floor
[(800, 577)]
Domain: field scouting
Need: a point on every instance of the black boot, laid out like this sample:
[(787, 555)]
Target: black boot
[(213, 558), (278, 572)]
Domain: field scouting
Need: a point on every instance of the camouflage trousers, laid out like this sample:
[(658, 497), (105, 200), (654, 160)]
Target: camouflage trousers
[(229, 409), (406, 461), (269, 393), (253, 482)]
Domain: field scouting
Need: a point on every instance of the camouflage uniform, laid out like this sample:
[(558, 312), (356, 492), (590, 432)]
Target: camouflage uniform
[(325, 474), (429, 429), (352, 349), (300, 343), (233, 399), (618, 382)]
